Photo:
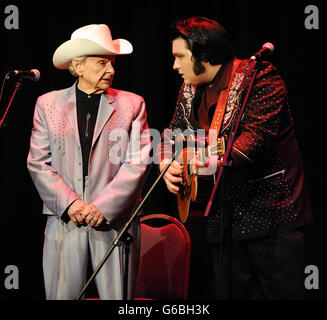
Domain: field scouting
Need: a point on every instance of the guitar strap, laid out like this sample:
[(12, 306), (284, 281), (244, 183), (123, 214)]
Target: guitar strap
[(222, 102)]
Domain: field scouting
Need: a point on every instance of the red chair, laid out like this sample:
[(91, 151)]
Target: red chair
[(164, 259)]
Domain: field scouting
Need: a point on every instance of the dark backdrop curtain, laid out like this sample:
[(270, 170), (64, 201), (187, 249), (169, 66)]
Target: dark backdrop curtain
[(44, 25)]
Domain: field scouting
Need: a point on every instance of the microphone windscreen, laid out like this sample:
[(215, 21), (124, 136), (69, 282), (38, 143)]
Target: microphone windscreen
[(37, 74), (269, 46)]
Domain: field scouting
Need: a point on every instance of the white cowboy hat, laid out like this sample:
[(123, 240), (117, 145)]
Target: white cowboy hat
[(93, 39)]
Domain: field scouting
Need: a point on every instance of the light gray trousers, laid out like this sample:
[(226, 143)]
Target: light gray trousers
[(65, 259)]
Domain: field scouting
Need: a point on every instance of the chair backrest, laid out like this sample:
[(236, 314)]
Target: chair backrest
[(164, 258)]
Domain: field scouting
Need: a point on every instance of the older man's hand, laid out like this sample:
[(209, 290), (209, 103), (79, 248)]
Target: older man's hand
[(80, 212), (93, 216), (75, 212)]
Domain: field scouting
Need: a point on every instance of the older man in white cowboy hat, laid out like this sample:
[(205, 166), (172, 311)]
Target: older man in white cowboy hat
[(88, 154)]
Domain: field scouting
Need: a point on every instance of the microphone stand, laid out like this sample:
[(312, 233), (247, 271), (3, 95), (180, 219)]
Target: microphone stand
[(17, 87), (219, 181), (122, 235)]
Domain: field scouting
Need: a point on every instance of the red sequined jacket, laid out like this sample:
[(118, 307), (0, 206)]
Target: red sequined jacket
[(264, 189)]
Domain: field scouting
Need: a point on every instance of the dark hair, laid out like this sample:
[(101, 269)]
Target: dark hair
[(207, 40)]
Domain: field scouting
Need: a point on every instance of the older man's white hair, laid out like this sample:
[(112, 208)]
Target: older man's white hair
[(71, 67)]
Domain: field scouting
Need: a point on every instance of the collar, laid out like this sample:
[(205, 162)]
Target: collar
[(219, 83), (84, 97)]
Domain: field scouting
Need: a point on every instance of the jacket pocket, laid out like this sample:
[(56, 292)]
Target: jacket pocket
[(268, 176)]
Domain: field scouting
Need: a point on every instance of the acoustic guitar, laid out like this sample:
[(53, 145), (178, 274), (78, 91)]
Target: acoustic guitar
[(188, 189)]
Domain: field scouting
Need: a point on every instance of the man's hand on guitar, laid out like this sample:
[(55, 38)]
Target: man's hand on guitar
[(197, 164), (207, 168), (173, 175)]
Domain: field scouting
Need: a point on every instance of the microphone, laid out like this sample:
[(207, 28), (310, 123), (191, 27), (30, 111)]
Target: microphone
[(267, 48), (33, 74)]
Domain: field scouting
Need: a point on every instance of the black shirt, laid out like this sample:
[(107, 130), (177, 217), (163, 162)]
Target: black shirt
[(87, 111), (211, 94)]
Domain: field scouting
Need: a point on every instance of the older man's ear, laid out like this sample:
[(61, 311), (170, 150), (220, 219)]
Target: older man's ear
[(78, 66)]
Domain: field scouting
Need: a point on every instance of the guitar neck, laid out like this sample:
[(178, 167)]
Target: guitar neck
[(217, 149)]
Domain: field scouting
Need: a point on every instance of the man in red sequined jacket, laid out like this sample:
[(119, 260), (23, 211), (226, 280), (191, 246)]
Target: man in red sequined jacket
[(255, 229)]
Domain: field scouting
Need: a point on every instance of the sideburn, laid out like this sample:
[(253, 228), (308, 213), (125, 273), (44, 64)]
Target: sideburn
[(198, 68)]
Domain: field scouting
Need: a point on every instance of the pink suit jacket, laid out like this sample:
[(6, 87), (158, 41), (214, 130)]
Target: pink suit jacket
[(118, 157)]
